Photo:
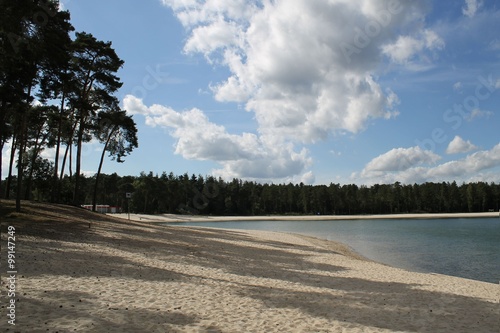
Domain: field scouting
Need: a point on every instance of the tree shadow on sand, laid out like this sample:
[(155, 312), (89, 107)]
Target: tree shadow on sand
[(324, 292), (386, 305), (78, 311)]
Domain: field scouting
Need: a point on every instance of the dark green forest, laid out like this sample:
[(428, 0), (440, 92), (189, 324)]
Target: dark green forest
[(206, 195), (57, 91)]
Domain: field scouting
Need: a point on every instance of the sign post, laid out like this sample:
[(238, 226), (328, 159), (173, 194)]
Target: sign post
[(128, 195)]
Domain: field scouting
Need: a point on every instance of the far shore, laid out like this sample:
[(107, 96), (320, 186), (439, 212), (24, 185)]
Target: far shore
[(175, 218)]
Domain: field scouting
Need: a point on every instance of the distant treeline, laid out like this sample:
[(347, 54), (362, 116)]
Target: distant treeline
[(169, 193)]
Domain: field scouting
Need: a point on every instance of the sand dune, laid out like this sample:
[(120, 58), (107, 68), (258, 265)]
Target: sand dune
[(118, 276)]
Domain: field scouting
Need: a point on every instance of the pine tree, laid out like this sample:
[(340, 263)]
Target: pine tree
[(118, 132), (95, 64)]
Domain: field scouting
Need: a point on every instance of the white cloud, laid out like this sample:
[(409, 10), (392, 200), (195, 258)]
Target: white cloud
[(307, 178), (134, 105), (491, 176), (467, 169), (407, 48), (243, 156), (478, 113), (399, 159), (459, 145), (194, 12), (62, 5), (471, 7), (479, 161), (286, 64), (207, 39)]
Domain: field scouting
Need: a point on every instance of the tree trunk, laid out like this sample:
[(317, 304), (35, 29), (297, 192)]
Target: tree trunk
[(36, 152), (76, 194), (68, 149), (70, 160), (22, 145), (27, 187), (94, 197)]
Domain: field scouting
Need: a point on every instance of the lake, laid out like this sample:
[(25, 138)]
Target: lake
[(468, 247)]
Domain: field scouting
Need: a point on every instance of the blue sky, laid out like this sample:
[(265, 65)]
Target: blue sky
[(298, 90)]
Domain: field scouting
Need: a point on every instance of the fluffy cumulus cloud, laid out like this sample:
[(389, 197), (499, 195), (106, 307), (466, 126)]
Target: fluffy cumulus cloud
[(244, 155), (288, 66), (406, 49), (305, 68), (459, 145), (399, 159), (420, 166), (471, 164)]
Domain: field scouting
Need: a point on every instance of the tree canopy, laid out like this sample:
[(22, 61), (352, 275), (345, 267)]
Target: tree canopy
[(54, 91)]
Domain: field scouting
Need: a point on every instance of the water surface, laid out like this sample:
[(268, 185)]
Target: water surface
[(468, 247)]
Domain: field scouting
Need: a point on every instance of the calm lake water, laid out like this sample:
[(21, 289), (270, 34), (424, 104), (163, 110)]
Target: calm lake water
[(468, 248)]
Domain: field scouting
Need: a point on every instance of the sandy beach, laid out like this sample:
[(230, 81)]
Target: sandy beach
[(202, 218), (84, 272)]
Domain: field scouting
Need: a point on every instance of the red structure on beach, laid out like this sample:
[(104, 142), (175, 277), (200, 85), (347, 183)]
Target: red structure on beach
[(104, 208)]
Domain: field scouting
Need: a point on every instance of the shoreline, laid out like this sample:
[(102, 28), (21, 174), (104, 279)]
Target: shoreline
[(351, 250), (176, 218)]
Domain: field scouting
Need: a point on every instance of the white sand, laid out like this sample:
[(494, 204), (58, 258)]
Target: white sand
[(201, 218), (137, 277)]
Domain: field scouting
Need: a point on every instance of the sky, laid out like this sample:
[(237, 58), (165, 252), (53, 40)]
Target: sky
[(312, 91)]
